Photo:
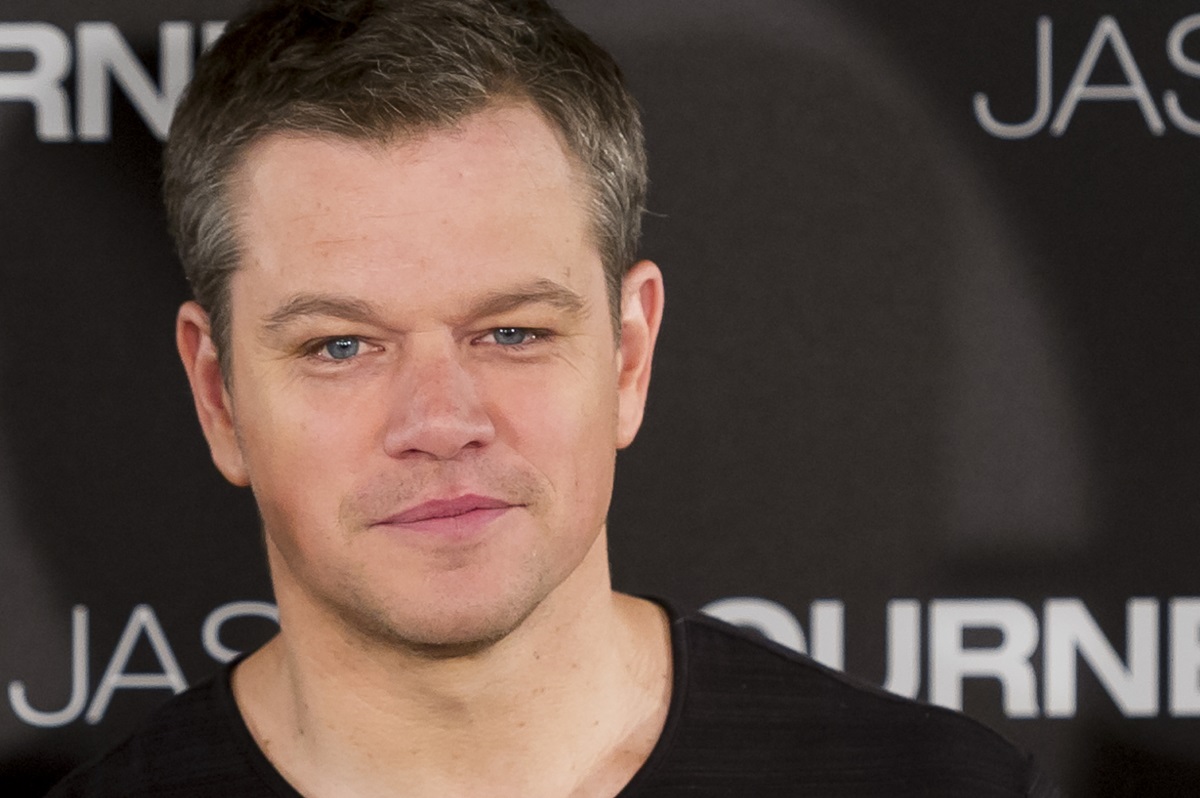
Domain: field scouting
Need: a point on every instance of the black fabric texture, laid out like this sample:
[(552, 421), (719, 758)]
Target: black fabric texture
[(747, 718)]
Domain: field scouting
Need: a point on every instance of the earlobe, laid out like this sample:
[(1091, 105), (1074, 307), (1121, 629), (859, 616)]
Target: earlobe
[(641, 315), (193, 336)]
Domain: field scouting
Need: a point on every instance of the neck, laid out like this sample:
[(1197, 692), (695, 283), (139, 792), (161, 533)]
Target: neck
[(572, 699)]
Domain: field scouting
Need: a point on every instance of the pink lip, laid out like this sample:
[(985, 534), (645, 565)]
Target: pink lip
[(436, 513)]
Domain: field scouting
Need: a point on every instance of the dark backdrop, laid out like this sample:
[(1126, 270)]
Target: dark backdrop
[(925, 401)]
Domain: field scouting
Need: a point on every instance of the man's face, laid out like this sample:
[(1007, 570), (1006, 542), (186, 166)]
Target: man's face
[(425, 393)]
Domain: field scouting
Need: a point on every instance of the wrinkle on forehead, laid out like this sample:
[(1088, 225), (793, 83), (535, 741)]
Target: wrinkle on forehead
[(500, 120)]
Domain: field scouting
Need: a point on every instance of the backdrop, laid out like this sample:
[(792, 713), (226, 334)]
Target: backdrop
[(925, 404)]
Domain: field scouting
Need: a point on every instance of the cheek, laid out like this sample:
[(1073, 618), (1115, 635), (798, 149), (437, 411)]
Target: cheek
[(560, 402), (302, 439), (564, 428), (305, 453)]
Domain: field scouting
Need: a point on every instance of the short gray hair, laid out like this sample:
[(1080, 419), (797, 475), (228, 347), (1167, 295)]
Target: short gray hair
[(375, 70)]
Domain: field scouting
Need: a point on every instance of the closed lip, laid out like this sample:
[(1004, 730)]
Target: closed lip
[(435, 509)]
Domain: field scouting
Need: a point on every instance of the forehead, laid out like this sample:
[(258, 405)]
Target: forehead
[(507, 147), (497, 189)]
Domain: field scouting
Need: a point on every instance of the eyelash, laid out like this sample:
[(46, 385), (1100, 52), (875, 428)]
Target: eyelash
[(532, 336), (315, 349)]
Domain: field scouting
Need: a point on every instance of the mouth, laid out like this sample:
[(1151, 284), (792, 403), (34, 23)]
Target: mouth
[(445, 514)]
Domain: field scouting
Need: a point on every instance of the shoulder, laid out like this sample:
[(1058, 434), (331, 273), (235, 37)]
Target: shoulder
[(190, 744), (747, 697)]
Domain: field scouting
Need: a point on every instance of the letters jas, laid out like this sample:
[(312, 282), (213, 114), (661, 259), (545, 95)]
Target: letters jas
[(142, 623), (1106, 36)]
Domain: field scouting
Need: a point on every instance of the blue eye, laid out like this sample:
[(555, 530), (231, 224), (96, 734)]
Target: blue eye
[(341, 348), (511, 336)]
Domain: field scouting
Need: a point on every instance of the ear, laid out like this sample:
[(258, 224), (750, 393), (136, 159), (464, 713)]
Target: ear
[(641, 316), (214, 405)]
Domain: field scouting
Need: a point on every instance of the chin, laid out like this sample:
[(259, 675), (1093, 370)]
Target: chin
[(449, 631)]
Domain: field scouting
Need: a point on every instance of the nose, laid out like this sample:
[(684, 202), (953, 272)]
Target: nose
[(437, 410)]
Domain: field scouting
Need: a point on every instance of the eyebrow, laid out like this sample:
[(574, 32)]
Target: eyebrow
[(338, 307), (538, 292), (542, 291)]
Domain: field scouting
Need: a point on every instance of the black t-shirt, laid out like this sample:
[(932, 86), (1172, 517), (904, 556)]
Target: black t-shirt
[(747, 718)]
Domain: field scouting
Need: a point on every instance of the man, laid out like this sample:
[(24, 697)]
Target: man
[(420, 336)]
